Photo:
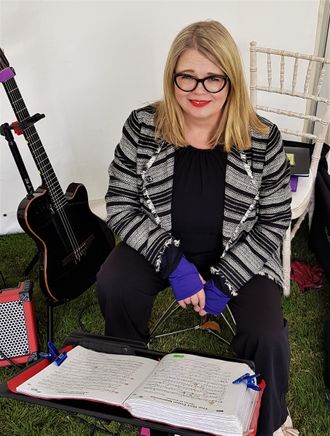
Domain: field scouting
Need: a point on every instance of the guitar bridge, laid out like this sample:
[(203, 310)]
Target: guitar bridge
[(79, 252)]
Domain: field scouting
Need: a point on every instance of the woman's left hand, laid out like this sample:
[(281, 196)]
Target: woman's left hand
[(216, 300)]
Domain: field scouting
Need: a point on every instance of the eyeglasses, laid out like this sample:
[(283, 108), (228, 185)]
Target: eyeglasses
[(189, 83)]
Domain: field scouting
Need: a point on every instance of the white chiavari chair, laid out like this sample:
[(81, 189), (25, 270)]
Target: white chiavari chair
[(293, 89)]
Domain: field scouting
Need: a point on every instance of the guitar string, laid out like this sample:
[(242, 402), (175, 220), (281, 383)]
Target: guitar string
[(57, 194), (53, 189), (59, 200), (32, 142), (60, 207)]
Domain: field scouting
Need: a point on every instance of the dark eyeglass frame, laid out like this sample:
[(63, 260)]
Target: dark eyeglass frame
[(222, 76)]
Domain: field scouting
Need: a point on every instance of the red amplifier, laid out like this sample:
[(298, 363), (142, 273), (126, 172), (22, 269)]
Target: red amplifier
[(18, 338)]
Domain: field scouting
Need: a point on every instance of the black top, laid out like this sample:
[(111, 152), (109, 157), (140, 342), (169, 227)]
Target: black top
[(198, 203)]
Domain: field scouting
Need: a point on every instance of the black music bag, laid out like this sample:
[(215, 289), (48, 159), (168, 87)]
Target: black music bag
[(319, 238)]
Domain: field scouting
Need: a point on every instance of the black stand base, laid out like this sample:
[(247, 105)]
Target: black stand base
[(50, 318), (31, 264), (49, 303), (50, 322)]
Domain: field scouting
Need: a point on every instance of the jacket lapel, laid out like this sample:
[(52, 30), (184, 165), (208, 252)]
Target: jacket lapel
[(240, 192)]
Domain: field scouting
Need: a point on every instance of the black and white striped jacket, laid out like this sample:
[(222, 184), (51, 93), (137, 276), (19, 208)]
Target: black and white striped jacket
[(256, 207)]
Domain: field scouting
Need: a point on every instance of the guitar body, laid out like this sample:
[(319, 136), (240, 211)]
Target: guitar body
[(73, 242)]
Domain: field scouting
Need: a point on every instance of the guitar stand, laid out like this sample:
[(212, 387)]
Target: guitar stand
[(6, 131), (50, 320), (31, 264)]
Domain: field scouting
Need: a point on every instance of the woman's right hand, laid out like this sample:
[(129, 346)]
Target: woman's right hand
[(187, 285), (197, 300)]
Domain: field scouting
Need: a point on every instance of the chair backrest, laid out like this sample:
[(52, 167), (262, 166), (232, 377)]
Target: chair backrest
[(293, 84)]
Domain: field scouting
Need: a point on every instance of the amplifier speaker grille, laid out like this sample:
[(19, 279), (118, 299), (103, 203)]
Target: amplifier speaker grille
[(18, 339), (13, 332)]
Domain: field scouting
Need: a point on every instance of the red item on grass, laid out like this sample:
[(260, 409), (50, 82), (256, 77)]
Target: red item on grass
[(307, 276)]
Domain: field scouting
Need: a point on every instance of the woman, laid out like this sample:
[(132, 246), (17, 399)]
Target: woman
[(199, 196)]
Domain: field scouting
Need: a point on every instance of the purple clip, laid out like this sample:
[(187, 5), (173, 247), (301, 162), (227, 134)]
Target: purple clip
[(241, 379), (6, 74), (54, 355), (60, 358), (44, 355), (53, 350), (249, 380)]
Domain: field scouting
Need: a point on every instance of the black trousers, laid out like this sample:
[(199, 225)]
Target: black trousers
[(126, 289)]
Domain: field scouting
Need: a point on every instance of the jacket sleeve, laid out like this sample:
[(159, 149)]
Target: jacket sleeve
[(254, 248), (131, 222)]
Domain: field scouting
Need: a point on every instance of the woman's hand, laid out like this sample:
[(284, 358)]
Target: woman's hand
[(186, 283), (197, 300), (216, 300)]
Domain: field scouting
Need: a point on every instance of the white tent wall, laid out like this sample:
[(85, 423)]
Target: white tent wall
[(87, 64)]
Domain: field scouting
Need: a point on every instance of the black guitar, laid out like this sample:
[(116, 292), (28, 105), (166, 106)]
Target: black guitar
[(72, 241)]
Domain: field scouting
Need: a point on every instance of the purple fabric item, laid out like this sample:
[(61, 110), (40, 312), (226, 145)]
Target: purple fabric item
[(185, 280), (293, 183), (6, 74), (215, 300)]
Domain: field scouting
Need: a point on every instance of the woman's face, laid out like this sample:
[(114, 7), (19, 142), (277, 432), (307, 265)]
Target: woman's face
[(200, 105)]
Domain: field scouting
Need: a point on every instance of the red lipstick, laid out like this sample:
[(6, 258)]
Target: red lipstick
[(199, 103)]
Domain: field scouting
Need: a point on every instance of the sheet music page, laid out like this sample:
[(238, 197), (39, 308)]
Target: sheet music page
[(90, 375), (194, 383)]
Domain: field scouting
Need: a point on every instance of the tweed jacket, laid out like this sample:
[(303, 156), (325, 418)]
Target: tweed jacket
[(257, 200)]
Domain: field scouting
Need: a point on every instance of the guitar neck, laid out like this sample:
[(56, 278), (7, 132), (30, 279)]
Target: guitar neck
[(35, 145)]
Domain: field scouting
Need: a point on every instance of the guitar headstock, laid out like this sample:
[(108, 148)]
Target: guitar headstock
[(3, 60)]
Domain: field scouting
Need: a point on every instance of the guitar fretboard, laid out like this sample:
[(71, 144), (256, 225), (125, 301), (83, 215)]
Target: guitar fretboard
[(39, 155)]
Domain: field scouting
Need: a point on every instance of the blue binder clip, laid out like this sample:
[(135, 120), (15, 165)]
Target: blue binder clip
[(249, 380), (54, 354)]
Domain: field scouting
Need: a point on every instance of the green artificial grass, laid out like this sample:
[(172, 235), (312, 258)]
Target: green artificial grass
[(305, 312)]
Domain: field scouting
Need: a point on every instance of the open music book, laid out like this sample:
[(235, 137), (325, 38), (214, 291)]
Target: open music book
[(182, 390)]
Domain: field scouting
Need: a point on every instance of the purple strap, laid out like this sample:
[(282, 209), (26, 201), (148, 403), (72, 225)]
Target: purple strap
[(6, 74)]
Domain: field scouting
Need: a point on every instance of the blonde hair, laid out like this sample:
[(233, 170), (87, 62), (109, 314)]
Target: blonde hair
[(212, 40)]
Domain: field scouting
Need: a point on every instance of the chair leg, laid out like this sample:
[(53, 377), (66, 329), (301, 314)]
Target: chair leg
[(311, 211), (204, 324), (286, 259)]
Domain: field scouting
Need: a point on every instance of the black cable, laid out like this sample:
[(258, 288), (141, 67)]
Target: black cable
[(93, 429), (102, 429), (2, 355), (3, 279), (105, 429)]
